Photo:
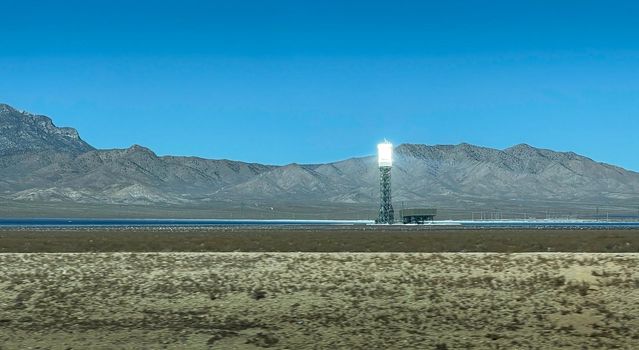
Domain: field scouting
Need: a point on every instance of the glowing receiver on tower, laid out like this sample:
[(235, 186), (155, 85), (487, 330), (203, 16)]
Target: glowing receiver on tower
[(385, 154)]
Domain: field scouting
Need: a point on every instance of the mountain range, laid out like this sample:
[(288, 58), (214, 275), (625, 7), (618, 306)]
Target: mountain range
[(41, 163)]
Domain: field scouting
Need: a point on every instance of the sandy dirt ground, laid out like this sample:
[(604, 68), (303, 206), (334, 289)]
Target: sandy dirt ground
[(319, 301)]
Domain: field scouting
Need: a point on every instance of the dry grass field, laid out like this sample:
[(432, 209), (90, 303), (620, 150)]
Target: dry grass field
[(319, 301), (422, 239)]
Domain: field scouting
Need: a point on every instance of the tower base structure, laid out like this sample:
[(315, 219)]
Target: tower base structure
[(386, 212)]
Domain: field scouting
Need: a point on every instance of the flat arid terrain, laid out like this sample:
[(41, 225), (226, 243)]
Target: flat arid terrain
[(318, 288), (319, 301)]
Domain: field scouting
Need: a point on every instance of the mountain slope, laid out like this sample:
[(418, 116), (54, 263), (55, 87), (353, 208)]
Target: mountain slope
[(41, 162), (25, 132), (521, 171)]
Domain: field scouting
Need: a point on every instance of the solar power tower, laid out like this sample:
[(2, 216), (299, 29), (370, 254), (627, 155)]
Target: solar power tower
[(385, 161)]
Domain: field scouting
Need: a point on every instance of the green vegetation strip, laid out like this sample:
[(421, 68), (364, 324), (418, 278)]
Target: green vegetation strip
[(336, 239)]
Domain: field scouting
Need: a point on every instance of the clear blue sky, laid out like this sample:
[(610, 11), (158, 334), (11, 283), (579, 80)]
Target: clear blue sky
[(314, 81)]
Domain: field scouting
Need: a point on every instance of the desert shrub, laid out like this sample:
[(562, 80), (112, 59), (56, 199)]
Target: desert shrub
[(558, 281), (258, 294), (263, 340), (493, 336), (581, 288), (219, 335)]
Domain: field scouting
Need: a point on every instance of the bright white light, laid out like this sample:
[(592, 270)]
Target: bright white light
[(385, 154)]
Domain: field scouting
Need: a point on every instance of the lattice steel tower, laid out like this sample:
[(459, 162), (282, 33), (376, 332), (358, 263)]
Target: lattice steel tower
[(385, 160)]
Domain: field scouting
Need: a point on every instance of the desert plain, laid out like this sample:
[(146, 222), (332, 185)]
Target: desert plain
[(516, 290)]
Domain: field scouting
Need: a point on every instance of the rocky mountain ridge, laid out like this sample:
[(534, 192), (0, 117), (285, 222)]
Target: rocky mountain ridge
[(40, 162), (23, 132)]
